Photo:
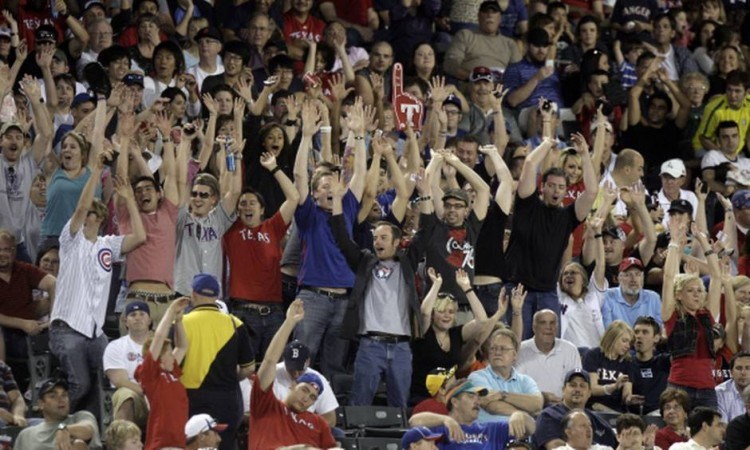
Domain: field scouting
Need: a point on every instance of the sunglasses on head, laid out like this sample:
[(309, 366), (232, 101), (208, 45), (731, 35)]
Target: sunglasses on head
[(203, 195)]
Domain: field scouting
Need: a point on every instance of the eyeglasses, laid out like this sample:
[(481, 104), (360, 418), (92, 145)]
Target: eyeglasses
[(501, 350), (203, 195)]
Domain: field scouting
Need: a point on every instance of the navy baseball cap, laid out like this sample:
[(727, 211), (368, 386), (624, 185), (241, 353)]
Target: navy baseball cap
[(577, 373), (137, 306), (206, 285), (296, 355)]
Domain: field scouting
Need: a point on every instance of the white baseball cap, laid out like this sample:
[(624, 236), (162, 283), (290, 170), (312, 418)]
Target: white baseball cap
[(674, 167), (200, 423)]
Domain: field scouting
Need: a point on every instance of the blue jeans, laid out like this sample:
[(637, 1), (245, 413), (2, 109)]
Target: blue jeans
[(79, 356), (376, 359), (535, 301), (699, 397), (321, 328), (488, 294), (261, 328)]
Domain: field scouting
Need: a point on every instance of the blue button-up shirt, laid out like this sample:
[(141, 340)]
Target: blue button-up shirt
[(517, 383), (615, 307), (518, 74), (730, 401)]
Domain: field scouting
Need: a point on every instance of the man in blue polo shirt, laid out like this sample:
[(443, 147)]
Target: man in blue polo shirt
[(532, 78), (460, 428), (324, 276), (629, 300)]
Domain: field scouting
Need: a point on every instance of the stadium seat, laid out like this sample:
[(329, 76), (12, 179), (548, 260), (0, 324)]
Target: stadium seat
[(367, 443), (374, 416), (348, 443)]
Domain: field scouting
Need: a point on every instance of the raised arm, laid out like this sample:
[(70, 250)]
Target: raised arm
[(371, 181), (162, 330), (310, 124), (229, 202), (713, 298), (528, 179), (403, 188), (482, 200), (138, 235), (356, 125), (267, 371), (100, 123), (585, 201), (677, 233), (463, 281), (504, 193), (268, 161), (42, 120), (635, 198), (428, 303)]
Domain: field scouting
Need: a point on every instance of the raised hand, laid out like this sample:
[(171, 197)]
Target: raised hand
[(378, 85), (579, 143), (310, 119), (210, 104), (163, 123), (123, 188), (339, 91), (44, 57), (438, 92), (371, 118), (435, 277), (355, 120), (30, 88), (296, 311), (517, 297), (497, 97), (244, 90), (268, 161), (462, 279)]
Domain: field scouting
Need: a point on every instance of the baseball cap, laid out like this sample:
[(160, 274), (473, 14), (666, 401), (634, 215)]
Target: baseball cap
[(50, 384), (200, 423), (416, 434), (92, 3), (616, 232), (466, 386), (481, 73), (10, 124), (46, 33), (137, 306), (538, 37), (452, 100), (296, 355), (740, 199), (489, 5), (60, 56), (206, 285), (437, 378), (577, 373), (5, 32), (81, 98), (628, 263), (673, 167), (680, 205), (311, 378), (458, 194), (132, 79), (662, 239), (208, 32)]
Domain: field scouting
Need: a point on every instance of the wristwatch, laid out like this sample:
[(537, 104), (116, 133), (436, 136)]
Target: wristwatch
[(62, 427)]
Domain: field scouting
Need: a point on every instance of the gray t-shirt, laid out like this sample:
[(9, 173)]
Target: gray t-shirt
[(199, 246), (42, 436), (386, 309), (15, 189)]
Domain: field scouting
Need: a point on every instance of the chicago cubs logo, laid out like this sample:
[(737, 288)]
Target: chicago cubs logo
[(105, 259)]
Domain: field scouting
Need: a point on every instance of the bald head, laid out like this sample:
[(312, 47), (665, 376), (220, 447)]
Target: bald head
[(545, 329)]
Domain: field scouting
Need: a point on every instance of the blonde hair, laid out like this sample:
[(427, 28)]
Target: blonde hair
[(680, 282), (444, 300), (739, 282), (100, 209), (119, 432), (611, 335)]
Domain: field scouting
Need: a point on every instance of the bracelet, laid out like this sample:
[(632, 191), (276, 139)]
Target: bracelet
[(275, 169), (424, 199), (597, 236), (291, 123), (468, 290), (673, 245), (709, 253), (516, 313), (358, 138), (325, 129)]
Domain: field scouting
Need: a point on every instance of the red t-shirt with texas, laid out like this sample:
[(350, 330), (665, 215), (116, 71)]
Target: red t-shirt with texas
[(309, 30), (254, 257), (274, 425), (168, 401)]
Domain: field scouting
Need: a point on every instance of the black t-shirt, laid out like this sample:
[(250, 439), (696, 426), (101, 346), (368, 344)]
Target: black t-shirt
[(448, 248), (490, 255), (539, 236), (649, 379), (427, 355), (656, 145), (607, 370)]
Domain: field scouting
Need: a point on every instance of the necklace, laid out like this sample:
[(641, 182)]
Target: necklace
[(443, 341)]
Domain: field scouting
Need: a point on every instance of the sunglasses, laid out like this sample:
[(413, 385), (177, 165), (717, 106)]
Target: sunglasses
[(203, 195)]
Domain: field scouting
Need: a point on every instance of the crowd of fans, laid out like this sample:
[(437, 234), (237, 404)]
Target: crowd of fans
[(200, 201)]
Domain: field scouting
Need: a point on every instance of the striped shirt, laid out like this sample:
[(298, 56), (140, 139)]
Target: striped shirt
[(84, 280), (718, 110)]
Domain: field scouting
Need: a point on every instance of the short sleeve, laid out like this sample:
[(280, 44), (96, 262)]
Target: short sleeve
[(115, 244), (304, 213), (591, 360), (111, 357), (261, 402)]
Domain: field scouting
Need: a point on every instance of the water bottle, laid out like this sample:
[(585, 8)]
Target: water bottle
[(230, 156)]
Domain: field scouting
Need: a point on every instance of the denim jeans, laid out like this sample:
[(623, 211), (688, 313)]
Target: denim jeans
[(79, 357), (488, 294), (535, 301), (699, 397), (321, 328), (375, 360), (260, 328)]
